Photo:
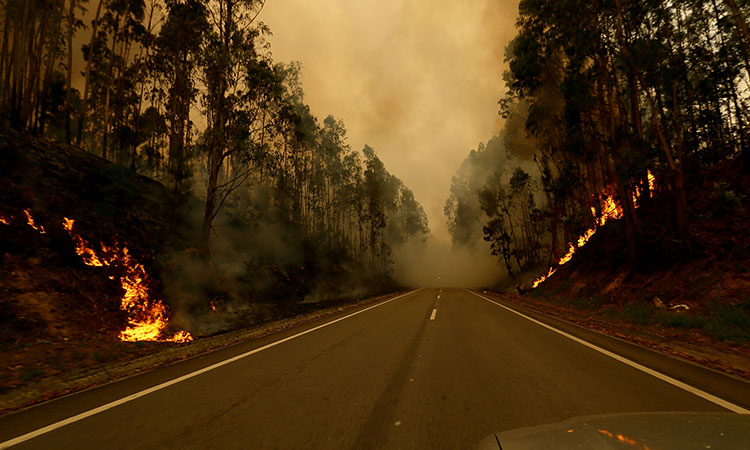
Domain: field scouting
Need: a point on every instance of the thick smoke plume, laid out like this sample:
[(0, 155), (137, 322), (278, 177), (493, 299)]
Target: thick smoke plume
[(437, 263)]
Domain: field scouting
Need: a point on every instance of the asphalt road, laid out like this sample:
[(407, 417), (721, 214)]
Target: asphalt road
[(414, 372)]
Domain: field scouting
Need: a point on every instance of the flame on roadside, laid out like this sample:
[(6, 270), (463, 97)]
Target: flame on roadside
[(610, 210), (147, 317), (30, 222)]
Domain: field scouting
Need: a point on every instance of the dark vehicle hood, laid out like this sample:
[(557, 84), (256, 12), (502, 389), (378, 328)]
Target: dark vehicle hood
[(654, 431)]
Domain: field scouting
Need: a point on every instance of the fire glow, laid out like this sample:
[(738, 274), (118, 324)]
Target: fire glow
[(30, 222), (147, 317), (611, 210)]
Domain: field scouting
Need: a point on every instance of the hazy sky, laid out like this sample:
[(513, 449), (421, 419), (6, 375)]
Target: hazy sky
[(417, 80)]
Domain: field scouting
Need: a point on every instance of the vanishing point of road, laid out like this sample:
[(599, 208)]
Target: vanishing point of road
[(428, 369)]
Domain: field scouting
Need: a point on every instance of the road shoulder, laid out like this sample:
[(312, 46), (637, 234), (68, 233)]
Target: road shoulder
[(49, 388), (726, 386)]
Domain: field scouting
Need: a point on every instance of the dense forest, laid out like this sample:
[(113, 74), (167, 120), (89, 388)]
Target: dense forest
[(186, 92), (159, 142), (606, 101)]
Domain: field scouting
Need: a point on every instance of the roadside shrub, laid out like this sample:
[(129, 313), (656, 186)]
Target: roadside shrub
[(682, 320), (730, 323), (640, 313), (536, 293)]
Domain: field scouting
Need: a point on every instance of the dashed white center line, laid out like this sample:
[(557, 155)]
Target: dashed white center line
[(434, 313)]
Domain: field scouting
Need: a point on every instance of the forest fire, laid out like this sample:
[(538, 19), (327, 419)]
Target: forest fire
[(639, 190), (610, 210), (147, 317), (30, 222)]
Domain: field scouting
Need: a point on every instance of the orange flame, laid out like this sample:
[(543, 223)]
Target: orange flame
[(611, 210), (651, 184), (638, 190), (5, 221), (30, 221), (147, 317)]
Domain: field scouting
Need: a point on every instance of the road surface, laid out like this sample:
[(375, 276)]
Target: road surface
[(429, 369)]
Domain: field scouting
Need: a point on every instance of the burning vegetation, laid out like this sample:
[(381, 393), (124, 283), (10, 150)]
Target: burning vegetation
[(610, 210), (147, 317)]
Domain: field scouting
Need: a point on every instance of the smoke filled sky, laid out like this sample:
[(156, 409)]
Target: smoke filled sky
[(417, 80)]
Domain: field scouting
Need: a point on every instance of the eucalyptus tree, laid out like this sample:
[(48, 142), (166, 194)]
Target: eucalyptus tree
[(236, 122), (73, 24), (608, 92), (32, 45), (120, 29), (175, 62)]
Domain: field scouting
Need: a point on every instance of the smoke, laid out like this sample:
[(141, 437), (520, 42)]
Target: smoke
[(255, 268), (436, 263), (418, 80)]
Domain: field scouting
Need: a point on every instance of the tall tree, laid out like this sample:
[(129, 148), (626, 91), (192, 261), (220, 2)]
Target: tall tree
[(177, 54)]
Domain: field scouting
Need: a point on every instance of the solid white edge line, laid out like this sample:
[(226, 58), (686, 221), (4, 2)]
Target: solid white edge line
[(693, 390), (434, 313), (110, 405)]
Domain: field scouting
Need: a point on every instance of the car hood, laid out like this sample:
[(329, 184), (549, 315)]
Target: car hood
[(662, 431)]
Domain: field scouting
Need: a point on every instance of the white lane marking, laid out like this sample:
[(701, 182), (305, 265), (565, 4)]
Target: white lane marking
[(110, 405), (434, 313), (693, 390)]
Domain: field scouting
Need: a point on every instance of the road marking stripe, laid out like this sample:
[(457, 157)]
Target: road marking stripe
[(110, 405), (693, 390), (434, 313)]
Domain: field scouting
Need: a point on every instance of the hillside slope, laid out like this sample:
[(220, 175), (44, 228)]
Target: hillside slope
[(698, 296), (58, 313)]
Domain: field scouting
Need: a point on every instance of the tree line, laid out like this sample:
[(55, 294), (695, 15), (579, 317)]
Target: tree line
[(600, 94), (186, 92)]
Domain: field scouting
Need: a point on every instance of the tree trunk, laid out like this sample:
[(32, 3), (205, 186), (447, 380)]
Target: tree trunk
[(69, 90), (742, 32), (110, 75), (84, 106), (214, 164)]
